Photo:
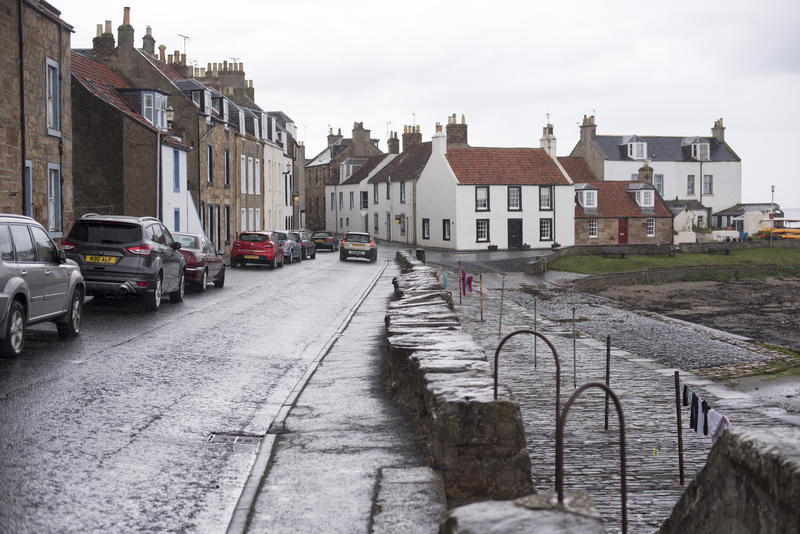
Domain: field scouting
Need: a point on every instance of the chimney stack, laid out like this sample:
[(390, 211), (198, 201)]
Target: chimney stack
[(588, 130), (718, 131), (411, 136), (646, 174), (125, 31), (456, 133), (438, 141), (162, 53), (99, 30), (548, 140), (393, 143), (332, 138), (148, 42), (103, 44)]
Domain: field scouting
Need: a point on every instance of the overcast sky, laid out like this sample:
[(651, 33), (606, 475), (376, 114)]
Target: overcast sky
[(646, 68)]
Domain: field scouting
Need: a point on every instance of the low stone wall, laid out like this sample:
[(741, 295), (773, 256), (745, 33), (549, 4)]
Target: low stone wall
[(442, 377), (604, 281), (750, 483)]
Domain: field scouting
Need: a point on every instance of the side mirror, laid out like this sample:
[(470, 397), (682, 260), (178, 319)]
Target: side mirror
[(175, 245), (62, 256)]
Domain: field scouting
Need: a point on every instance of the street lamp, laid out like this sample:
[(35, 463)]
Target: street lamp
[(771, 215)]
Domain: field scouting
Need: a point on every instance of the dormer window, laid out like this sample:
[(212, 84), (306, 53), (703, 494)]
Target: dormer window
[(264, 128), (154, 109), (207, 104), (241, 122), (645, 198), (701, 151), (225, 112), (147, 106), (588, 198), (637, 150), (196, 98)]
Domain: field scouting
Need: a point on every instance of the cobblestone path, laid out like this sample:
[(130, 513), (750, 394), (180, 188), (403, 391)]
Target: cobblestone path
[(644, 385)]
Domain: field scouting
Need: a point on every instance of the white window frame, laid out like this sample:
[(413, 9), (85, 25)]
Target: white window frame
[(481, 198), (257, 176), (352, 200), (426, 228), (589, 199), (445, 229), (637, 150), (251, 218), (258, 219), (708, 184), (243, 173), (54, 200), (364, 199), (376, 226), (210, 163), (515, 199), (481, 230), (250, 172), (226, 113), (243, 220), (701, 151), (333, 201), (690, 184), (545, 200), (545, 229), (651, 227), (592, 228), (658, 183), (374, 193), (52, 97), (647, 198), (402, 192)]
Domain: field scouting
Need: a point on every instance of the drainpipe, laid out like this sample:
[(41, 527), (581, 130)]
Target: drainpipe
[(22, 104), (159, 174)]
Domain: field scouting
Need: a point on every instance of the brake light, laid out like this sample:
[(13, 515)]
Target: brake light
[(328, 239), (371, 243), (141, 250), (66, 245), (141, 284), (342, 242), (191, 260)]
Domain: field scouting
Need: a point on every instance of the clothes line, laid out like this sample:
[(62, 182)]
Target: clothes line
[(702, 417)]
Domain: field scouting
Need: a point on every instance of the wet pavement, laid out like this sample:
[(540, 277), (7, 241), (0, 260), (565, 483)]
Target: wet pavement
[(641, 373), (111, 431)]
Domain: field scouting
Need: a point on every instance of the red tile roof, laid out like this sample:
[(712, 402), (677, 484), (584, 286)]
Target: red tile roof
[(103, 83), (614, 201), (166, 69), (406, 166), (577, 168), (504, 166)]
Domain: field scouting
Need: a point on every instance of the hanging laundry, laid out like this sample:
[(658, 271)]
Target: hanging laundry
[(694, 411), (717, 423), (685, 395), (444, 280), (705, 407), (463, 283), (469, 283)]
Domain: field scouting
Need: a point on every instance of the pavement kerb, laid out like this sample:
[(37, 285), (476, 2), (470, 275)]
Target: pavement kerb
[(242, 513)]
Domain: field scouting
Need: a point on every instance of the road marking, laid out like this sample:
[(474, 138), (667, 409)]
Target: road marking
[(242, 513)]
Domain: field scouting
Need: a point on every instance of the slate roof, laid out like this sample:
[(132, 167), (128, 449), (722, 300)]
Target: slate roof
[(504, 166), (365, 169), (406, 166), (103, 83), (680, 205), (660, 148), (614, 200), (741, 209), (577, 169), (166, 69), (280, 117)]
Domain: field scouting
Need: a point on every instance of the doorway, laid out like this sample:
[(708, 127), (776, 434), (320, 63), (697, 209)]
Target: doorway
[(622, 236), (514, 233)]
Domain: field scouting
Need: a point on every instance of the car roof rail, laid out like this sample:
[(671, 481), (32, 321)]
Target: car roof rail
[(88, 215), (18, 216)]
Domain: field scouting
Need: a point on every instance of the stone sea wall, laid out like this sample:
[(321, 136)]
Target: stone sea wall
[(439, 374)]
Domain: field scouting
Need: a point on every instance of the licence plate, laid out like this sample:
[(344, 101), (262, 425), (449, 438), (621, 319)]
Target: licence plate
[(250, 257), (101, 259), (318, 241), (358, 252)]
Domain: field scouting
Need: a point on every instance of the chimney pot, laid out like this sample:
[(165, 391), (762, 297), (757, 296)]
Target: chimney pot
[(225, 66), (183, 59), (241, 66), (202, 72), (108, 27), (463, 120), (149, 31), (162, 52), (170, 60), (99, 30), (126, 17), (438, 127)]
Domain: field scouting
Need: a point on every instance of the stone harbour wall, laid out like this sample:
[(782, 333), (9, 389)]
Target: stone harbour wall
[(438, 373), (750, 483)]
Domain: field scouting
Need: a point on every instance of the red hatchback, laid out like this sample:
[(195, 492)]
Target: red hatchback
[(204, 263), (256, 247)]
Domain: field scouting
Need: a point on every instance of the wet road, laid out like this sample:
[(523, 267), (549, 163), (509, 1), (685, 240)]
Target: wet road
[(110, 432)]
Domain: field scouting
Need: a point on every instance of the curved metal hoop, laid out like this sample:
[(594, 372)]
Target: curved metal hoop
[(555, 356), (562, 421)]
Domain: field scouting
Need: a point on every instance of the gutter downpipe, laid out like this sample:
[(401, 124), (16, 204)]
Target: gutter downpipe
[(22, 104)]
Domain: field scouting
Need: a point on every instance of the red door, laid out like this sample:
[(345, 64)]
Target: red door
[(622, 237)]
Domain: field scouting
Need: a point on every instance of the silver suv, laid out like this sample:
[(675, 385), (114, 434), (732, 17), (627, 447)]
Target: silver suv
[(37, 283)]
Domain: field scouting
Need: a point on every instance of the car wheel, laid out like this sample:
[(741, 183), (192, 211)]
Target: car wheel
[(152, 300), (72, 326), (177, 295), (290, 257), (204, 281), (274, 263), (220, 281), (314, 255), (11, 346), (342, 256)]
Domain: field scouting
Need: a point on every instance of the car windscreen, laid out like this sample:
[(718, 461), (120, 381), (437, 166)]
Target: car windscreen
[(110, 232), (296, 236), (321, 234), (357, 238), (280, 237), (253, 237), (186, 241)]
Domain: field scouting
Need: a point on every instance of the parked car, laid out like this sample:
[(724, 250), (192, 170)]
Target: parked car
[(122, 256), (291, 248), (325, 240), (204, 262), (307, 246), (38, 284), (358, 245), (256, 247)]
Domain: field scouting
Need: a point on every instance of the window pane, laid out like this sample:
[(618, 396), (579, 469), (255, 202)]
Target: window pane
[(46, 250), (545, 200), (6, 248), (23, 243), (481, 198)]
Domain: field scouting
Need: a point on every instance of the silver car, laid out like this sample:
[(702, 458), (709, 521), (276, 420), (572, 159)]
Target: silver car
[(292, 251), (38, 284)]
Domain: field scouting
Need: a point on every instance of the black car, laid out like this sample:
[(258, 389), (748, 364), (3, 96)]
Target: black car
[(307, 246), (325, 240), (127, 256)]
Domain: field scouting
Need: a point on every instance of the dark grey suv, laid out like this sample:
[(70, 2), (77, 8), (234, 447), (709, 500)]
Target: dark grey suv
[(37, 283), (127, 256)]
